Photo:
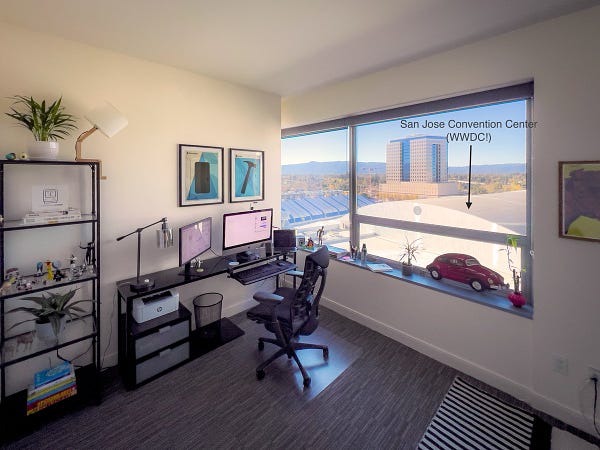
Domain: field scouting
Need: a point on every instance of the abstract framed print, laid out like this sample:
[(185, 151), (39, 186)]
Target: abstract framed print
[(200, 175), (247, 175), (579, 206)]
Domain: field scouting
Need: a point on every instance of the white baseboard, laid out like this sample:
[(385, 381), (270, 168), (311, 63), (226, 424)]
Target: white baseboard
[(520, 391)]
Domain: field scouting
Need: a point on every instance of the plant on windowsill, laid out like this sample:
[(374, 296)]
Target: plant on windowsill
[(51, 313), (409, 252), (516, 297), (46, 123)]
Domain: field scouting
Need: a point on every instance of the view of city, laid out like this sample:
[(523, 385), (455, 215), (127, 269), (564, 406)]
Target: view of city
[(416, 177)]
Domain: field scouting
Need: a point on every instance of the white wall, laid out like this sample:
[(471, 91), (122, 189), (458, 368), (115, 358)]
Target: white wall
[(165, 107), (510, 352)]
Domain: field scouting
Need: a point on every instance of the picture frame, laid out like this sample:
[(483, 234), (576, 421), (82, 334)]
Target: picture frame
[(246, 175), (200, 176), (579, 214)]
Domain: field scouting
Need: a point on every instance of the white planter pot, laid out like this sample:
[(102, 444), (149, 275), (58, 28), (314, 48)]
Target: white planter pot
[(43, 150), (45, 332)]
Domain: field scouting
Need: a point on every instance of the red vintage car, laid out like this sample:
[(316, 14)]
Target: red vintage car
[(465, 269)]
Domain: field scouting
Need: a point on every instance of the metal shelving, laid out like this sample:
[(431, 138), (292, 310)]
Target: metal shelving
[(12, 407)]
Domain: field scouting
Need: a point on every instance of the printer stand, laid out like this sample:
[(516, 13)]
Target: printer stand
[(156, 346)]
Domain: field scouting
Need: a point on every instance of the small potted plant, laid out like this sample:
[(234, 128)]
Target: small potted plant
[(515, 297), (51, 313), (47, 123), (409, 252)]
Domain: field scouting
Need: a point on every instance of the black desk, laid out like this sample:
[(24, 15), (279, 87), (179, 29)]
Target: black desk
[(183, 345)]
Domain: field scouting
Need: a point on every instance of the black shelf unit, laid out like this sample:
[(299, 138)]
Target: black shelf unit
[(13, 408)]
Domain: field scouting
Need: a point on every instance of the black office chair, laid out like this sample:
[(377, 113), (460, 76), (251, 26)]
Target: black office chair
[(290, 313)]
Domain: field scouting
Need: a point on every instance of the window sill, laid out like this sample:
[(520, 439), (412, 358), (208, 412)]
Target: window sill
[(421, 277)]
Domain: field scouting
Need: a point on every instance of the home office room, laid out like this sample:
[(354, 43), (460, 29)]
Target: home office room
[(219, 171)]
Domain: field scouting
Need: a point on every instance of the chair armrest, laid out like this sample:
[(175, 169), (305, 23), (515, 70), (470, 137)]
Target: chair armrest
[(267, 298), (295, 273)]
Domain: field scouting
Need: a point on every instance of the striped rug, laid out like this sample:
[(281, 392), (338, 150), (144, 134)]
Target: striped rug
[(469, 418)]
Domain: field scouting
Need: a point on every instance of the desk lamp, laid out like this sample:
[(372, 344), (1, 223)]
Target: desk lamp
[(109, 121), (164, 239)]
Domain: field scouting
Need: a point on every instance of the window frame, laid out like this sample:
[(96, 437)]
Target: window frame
[(522, 91)]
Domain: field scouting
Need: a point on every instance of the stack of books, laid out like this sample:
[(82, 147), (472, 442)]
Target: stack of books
[(51, 386), (52, 216)]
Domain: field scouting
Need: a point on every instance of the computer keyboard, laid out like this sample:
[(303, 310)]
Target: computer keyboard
[(258, 273)]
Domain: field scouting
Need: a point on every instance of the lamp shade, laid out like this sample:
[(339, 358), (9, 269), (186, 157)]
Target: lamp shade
[(107, 119), (164, 236)]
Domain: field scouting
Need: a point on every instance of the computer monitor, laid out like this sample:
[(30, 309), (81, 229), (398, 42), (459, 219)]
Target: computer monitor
[(194, 239), (245, 231)]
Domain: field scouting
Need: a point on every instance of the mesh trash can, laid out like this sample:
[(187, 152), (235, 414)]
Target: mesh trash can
[(207, 312)]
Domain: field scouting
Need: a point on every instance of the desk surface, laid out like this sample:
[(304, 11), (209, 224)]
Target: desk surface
[(171, 278)]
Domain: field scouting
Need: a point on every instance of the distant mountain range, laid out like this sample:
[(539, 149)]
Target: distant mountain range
[(341, 167)]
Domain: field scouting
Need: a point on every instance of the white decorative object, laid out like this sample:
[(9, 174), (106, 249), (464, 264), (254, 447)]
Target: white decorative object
[(49, 198), (43, 150)]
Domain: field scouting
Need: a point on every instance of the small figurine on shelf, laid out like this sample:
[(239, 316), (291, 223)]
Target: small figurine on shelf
[(90, 257), (310, 243), (353, 251), (11, 273), (6, 286), (75, 271), (39, 268), (49, 273), (320, 233), (58, 275)]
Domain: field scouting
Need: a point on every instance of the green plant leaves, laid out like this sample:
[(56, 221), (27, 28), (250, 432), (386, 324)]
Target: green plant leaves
[(52, 307), (45, 123)]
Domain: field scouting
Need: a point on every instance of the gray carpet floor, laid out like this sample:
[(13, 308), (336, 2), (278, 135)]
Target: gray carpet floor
[(372, 393)]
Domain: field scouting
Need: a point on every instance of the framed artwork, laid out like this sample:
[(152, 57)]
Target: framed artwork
[(247, 175), (200, 175), (579, 207)]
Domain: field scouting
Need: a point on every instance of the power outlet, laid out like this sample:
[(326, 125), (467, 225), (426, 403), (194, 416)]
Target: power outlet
[(560, 365), (593, 372)]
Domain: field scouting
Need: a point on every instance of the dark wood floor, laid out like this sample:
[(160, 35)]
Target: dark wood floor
[(373, 393)]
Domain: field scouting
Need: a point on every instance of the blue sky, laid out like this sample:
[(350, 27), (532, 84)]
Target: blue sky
[(507, 145)]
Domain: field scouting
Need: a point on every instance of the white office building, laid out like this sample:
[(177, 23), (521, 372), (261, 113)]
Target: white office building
[(417, 165)]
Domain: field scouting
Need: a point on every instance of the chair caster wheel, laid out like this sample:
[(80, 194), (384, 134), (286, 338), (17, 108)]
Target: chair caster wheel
[(261, 346), (260, 374), (326, 353), (306, 382)]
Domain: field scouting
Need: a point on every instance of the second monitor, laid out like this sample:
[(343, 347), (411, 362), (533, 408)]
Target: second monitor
[(246, 231), (194, 239)]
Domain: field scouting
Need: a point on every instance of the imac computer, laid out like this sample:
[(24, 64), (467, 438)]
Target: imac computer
[(194, 239), (246, 231)]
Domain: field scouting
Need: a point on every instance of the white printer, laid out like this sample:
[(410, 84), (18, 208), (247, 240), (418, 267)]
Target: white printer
[(155, 305)]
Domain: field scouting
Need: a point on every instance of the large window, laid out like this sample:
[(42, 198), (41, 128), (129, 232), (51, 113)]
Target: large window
[(451, 174), (315, 185)]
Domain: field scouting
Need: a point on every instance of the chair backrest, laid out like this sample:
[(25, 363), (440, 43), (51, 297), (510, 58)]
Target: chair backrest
[(306, 301)]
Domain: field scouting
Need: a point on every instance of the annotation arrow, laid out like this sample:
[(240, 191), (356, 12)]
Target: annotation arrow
[(468, 202)]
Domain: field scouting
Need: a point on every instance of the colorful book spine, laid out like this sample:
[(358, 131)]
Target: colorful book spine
[(32, 390), (54, 373), (48, 401), (50, 391)]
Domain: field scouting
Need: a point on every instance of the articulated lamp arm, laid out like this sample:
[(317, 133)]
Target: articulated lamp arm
[(78, 157), (139, 230)]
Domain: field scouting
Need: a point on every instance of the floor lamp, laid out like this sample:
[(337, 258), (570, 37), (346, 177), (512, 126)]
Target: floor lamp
[(164, 239), (109, 121)]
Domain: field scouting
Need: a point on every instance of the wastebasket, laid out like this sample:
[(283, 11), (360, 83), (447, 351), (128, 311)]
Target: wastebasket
[(207, 312)]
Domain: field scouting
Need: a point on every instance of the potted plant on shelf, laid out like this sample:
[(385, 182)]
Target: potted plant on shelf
[(409, 252), (47, 123), (51, 313)]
